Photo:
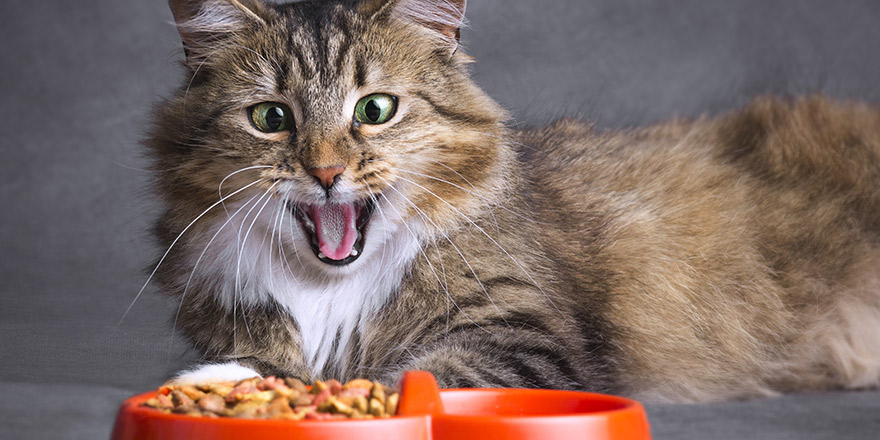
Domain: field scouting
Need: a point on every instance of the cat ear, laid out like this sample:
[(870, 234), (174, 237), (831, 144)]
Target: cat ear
[(204, 24), (443, 18)]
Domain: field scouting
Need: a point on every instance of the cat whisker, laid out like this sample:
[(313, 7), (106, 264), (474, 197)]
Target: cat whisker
[(440, 261), (267, 233), (272, 238), (487, 200), (360, 366), (220, 187), (248, 214), (239, 288), (375, 200), (443, 285), (196, 266), (489, 203), (474, 224), (282, 253), (153, 273), (413, 234), (466, 262), (292, 241)]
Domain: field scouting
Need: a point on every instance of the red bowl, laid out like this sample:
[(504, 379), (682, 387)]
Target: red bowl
[(424, 413)]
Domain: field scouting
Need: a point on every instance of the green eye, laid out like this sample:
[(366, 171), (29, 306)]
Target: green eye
[(271, 117), (377, 108)]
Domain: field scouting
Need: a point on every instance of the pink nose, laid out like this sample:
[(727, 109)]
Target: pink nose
[(326, 176)]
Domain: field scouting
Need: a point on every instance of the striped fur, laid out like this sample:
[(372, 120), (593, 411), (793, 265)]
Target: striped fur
[(689, 261)]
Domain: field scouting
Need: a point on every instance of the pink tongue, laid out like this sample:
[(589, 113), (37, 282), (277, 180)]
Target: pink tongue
[(335, 228)]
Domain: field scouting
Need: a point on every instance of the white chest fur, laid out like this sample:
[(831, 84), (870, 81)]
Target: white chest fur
[(329, 304)]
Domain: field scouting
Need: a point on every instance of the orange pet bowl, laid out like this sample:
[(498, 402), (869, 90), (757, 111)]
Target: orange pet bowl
[(424, 413)]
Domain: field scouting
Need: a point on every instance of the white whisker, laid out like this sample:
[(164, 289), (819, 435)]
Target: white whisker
[(489, 203), (475, 194), (443, 285), (272, 238), (220, 187), (175, 242), (292, 235), (375, 199), (196, 266), (466, 262), (238, 285), (515, 261), (282, 214)]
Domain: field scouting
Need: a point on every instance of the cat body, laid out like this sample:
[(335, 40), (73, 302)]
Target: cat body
[(689, 261)]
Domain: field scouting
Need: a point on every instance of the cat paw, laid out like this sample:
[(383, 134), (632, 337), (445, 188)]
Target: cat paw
[(212, 373)]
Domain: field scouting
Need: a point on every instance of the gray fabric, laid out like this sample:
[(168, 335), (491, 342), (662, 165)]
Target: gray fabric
[(809, 416), (79, 78), (59, 411)]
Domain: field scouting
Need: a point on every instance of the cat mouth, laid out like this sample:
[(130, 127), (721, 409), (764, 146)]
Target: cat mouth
[(336, 232)]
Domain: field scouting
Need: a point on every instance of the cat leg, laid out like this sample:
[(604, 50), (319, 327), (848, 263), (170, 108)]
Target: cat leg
[(508, 358), (214, 372)]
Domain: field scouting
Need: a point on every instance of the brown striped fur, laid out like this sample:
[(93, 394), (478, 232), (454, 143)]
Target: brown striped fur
[(698, 260)]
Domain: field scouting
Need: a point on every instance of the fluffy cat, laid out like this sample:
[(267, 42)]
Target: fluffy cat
[(341, 200)]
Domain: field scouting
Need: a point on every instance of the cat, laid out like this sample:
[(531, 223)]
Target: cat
[(341, 200)]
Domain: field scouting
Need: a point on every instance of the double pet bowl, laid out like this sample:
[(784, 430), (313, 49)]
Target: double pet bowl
[(424, 413)]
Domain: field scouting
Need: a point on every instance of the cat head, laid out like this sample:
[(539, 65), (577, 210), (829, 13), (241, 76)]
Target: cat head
[(334, 110)]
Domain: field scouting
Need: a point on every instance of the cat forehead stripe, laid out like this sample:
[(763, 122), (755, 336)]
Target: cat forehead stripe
[(319, 42)]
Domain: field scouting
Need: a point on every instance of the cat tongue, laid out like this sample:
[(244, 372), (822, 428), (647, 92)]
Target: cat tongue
[(335, 228)]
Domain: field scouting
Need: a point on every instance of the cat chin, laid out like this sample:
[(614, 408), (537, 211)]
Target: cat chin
[(329, 308), (324, 300), (330, 271)]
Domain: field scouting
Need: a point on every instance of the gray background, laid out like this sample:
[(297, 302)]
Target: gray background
[(79, 78)]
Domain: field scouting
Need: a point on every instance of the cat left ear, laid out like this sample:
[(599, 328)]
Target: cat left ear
[(204, 24), (443, 18)]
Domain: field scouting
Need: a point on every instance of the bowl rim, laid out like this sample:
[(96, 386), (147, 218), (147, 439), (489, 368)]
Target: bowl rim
[(626, 405), (135, 403)]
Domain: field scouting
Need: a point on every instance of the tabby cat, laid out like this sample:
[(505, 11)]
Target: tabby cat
[(341, 200)]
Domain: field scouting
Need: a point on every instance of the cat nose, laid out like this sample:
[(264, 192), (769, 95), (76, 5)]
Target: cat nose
[(326, 176)]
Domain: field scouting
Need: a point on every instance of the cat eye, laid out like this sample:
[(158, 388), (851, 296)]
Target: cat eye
[(271, 117), (377, 108)]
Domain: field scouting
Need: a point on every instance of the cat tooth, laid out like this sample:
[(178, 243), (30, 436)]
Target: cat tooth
[(321, 255), (353, 253)]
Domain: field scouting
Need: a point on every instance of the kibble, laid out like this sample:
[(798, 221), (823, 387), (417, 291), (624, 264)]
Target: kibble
[(275, 398)]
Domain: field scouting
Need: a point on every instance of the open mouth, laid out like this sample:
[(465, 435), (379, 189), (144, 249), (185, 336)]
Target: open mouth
[(336, 232)]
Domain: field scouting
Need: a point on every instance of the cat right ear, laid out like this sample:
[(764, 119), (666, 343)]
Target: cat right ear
[(204, 24), (442, 18)]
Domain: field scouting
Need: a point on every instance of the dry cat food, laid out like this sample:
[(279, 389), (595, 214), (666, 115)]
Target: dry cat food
[(275, 398)]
